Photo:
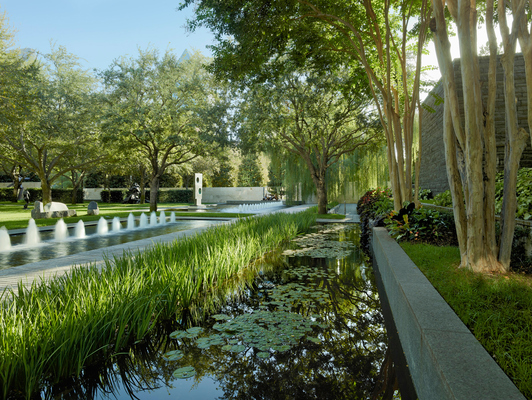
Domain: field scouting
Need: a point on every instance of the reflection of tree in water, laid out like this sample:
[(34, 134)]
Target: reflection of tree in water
[(345, 365), (351, 362)]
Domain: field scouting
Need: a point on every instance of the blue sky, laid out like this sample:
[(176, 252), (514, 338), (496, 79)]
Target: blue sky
[(98, 31)]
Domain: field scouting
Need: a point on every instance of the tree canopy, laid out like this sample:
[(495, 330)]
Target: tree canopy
[(61, 122), (155, 104)]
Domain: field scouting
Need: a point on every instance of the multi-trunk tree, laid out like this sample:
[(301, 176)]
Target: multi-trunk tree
[(381, 36), (470, 146), (155, 105)]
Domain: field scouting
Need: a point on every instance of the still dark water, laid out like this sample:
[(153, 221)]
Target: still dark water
[(21, 254), (308, 327)]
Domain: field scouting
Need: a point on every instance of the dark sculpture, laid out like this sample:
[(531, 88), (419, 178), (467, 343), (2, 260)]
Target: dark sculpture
[(133, 196), (26, 196)]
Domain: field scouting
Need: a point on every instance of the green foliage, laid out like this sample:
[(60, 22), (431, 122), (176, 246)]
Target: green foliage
[(249, 172), (276, 173), (444, 199), (523, 190), (423, 225), (425, 194), (521, 261), (53, 329), (496, 308), (375, 203), (159, 107), (176, 196), (59, 134), (6, 194), (223, 176), (113, 196), (60, 195)]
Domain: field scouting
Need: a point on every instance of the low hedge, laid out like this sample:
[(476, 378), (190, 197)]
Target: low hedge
[(163, 196), (116, 196), (59, 195)]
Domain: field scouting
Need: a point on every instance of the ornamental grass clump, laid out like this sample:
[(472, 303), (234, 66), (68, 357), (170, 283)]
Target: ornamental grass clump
[(57, 328)]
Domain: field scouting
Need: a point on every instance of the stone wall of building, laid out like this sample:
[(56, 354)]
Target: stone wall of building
[(433, 173)]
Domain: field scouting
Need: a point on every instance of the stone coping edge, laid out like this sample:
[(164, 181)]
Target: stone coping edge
[(444, 358)]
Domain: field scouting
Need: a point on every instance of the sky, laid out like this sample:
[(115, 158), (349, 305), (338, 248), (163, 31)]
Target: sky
[(99, 31)]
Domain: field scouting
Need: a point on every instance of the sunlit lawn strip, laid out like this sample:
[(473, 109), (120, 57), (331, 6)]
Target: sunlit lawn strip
[(15, 217), (53, 329), (496, 308)]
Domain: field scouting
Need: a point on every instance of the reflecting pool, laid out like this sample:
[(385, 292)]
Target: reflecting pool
[(49, 247), (309, 326)]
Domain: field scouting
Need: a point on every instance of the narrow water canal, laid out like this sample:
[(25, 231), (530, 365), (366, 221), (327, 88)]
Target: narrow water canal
[(308, 327)]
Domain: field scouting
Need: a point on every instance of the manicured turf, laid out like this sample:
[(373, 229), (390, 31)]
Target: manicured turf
[(496, 308), (54, 329), (13, 215)]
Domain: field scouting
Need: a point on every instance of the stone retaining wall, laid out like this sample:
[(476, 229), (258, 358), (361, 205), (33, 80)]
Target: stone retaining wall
[(433, 173), (444, 359)]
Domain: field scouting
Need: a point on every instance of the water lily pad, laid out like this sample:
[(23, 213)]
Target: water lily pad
[(178, 334), (314, 340), (281, 348), (221, 317), (195, 330), (227, 347), (184, 373), (263, 354), (238, 348), (173, 355)]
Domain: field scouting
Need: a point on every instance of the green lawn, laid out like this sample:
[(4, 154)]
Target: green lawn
[(496, 308), (13, 215)]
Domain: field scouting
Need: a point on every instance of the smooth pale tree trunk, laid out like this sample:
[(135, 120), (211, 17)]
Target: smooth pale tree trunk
[(490, 153), (475, 139), (392, 108), (515, 141), (525, 41), (471, 197)]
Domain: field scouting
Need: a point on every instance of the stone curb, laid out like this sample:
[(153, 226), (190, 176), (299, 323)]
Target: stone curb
[(444, 358)]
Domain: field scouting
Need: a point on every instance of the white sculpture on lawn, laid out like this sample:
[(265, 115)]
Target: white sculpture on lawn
[(198, 183)]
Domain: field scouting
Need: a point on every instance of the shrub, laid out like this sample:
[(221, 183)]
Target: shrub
[(176, 196), (524, 193), (425, 194), (422, 225), (61, 195), (115, 196), (444, 199), (6, 194), (375, 202)]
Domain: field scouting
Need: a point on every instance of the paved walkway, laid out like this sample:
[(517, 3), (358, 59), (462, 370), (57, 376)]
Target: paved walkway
[(349, 210), (29, 273)]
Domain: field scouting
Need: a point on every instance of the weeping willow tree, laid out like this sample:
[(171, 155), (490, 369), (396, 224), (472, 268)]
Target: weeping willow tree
[(347, 180), (354, 175)]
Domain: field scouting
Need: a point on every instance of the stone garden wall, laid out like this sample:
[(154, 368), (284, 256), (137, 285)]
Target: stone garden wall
[(433, 171)]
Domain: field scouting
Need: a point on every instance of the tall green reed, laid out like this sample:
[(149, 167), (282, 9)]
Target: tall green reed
[(56, 328)]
